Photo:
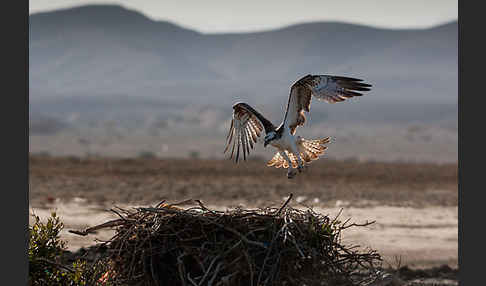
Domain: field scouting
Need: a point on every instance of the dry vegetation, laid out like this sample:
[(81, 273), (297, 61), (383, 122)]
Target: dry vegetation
[(169, 245), (221, 182), (148, 180)]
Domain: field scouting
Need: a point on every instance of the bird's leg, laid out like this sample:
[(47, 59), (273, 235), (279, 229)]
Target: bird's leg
[(296, 152), (291, 172)]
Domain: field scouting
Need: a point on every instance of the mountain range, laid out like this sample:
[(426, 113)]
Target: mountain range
[(98, 60)]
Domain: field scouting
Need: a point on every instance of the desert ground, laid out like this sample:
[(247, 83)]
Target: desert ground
[(414, 205)]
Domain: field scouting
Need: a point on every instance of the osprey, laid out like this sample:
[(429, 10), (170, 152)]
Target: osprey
[(294, 152)]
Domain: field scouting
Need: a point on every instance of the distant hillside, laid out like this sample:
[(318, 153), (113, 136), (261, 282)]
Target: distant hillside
[(91, 58)]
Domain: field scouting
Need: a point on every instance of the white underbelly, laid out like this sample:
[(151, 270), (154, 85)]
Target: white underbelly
[(283, 143)]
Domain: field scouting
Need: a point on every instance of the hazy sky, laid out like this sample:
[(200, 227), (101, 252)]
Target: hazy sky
[(214, 16)]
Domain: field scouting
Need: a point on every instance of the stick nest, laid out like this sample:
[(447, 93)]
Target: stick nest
[(171, 245)]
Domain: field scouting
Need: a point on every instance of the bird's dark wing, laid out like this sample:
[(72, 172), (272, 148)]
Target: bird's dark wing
[(247, 125)]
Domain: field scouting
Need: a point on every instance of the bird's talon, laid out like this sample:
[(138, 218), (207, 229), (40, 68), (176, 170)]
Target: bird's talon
[(302, 168), (291, 174)]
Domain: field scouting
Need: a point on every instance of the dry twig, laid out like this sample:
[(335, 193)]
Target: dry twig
[(168, 245)]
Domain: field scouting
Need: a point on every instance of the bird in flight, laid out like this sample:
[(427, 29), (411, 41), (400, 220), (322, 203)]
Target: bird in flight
[(293, 152)]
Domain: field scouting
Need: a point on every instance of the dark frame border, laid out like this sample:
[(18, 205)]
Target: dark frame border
[(15, 142)]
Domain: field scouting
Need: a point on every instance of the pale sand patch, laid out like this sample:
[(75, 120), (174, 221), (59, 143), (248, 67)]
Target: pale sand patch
[(422, 237)]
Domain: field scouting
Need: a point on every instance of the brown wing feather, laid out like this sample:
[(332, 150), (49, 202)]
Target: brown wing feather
[(324, 87), (309, 150), (302, 99), (246, 126)]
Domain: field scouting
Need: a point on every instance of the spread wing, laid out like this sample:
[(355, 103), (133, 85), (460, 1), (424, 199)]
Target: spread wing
[(246, 126), (324, 87), (310, 150)]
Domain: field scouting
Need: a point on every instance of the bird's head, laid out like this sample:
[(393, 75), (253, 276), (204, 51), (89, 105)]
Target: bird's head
[(269, 137)]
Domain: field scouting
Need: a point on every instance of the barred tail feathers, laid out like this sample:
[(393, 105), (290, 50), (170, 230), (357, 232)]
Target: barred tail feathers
[(310, 150)]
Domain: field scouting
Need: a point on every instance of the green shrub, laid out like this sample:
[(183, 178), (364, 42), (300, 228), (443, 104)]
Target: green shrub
[(45, 254), (147, 155), (194, 154)]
